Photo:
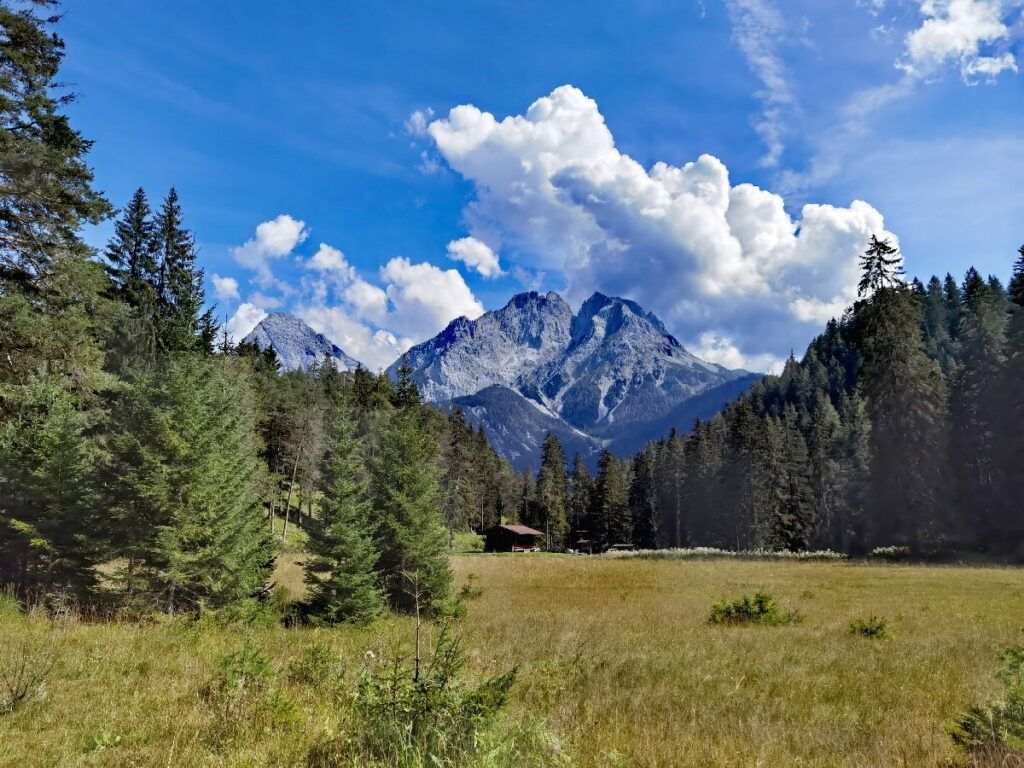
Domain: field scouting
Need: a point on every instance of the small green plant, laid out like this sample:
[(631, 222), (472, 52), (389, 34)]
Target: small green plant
[(759, 609), (471, 590), (318, 667), (875, 628), (101, 742), (24, 670), (9, 605), (243, 696), (1000, 724)]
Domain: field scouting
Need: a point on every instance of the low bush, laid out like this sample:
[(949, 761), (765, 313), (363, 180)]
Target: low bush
[(415, 713), (1000, 724), (9, 605), (467, 542), (25, 666), (875, 628), (243, 697), (319, 668), (471, 590), (759, 609)]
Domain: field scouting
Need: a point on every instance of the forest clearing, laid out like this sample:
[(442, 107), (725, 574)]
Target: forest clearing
[(616, 655)]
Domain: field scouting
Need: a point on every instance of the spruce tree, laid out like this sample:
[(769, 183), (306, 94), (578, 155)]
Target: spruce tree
[(643, 501), (881, 267), (51, 528), (53, 317), (131, 256), (407, 394), (906, 399), (342, 568), (185, 482), (182, 325), (552, 495), (405, 482), (973, 411), (581, 497), (613, 523)]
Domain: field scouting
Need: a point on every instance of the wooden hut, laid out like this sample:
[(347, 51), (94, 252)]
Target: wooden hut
[(513, 538)]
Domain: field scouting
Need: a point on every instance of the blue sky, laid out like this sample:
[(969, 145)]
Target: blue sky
[(329, 124)]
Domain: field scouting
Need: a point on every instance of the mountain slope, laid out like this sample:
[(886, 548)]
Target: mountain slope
[(608, 375), (516, 426), (297, 345)]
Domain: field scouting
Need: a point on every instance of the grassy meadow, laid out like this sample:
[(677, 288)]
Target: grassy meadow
[(616, 654)]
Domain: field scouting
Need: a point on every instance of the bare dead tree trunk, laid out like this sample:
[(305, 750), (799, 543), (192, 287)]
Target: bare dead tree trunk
[(291, 489)]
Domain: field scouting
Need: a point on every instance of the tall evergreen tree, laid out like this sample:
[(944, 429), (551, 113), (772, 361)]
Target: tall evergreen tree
[(906, 401), (53, 318), (185, 483), (613, 523), (408, 503), (552, 495), (182, 325), (342, 568), (643, 501), (581, 499)]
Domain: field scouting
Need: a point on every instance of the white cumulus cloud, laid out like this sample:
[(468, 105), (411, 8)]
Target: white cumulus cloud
[(425, 298), (707, 256), (274, 239), (475, 255), (246, 317), (224, 288), (957, 30)]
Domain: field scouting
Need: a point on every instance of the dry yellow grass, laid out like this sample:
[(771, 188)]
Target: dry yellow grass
[(617, 653)]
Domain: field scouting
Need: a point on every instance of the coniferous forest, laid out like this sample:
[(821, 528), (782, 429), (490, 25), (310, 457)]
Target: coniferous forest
[(147, 460)]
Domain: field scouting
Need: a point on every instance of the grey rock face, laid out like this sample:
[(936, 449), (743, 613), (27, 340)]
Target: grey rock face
[(297, 345), (611, 374)]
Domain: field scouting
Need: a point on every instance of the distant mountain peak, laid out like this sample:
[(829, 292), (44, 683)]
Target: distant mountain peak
[(599, 373), (297, 345)]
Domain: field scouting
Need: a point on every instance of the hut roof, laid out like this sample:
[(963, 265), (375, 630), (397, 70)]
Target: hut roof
[(521, 530)]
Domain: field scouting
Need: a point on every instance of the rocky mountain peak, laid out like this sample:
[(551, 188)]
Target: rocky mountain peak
[(297, 345)]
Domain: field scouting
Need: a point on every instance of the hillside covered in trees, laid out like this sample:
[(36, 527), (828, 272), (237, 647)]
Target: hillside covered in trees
[(902, 426)]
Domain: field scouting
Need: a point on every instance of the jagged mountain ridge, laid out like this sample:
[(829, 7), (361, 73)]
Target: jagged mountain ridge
[(610, 375), (297, 345)]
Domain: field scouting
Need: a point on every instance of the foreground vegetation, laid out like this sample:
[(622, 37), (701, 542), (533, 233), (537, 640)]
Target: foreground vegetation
[(619, 667)]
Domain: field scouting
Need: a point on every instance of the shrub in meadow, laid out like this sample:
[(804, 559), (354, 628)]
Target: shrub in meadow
[(243, 697), (1000, 724), (875, 628), (759, 609)]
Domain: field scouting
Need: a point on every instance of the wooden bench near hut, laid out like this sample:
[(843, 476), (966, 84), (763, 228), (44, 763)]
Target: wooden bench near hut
[(513, 538)]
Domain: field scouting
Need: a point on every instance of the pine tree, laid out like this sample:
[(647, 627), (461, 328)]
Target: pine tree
[(982, 345), (938, 341), (613, 523), (581, 496), (408, 502), (793, 523), (185, 482), (50, 526), (643, 501), (342, 568), (46, 192), (407, 394), (53, 317), (552, 495), (906, 401), (881, 267), (131, 256), (182, 325)]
